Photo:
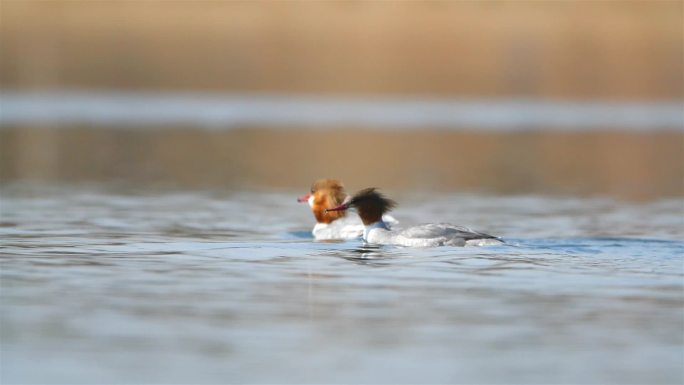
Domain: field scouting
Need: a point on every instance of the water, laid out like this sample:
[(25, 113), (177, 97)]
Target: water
[(101, 285), (317, 112)]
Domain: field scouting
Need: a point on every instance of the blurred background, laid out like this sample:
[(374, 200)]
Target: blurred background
[(151, 153), (555, 97)]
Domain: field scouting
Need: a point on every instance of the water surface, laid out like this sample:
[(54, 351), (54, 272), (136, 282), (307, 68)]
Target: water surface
[(316, 112), (107, 286)]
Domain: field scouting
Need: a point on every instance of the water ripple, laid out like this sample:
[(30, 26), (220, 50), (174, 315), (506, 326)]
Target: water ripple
[(95, 283)]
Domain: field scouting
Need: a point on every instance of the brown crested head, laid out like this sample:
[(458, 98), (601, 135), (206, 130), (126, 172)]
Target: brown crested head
[(327, 193), (371, 205)]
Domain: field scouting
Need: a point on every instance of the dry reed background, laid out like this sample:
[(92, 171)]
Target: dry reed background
[(560, 50)]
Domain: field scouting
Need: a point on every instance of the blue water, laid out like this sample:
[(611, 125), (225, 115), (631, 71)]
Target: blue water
[(101, 285)]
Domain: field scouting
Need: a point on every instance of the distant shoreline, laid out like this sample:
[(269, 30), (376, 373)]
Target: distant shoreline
[(622, 50)]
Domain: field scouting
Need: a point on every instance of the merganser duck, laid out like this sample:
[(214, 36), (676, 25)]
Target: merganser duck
[(326, 194), (371, 205)]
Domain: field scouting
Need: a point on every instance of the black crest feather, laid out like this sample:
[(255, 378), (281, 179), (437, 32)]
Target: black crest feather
[(371, 204)]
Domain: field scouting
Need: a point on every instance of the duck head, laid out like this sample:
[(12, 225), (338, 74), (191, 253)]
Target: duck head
[(325, 194), (369, 203)]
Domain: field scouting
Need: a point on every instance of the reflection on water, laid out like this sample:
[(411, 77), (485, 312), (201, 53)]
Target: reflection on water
[(219, 287), (619, 164)]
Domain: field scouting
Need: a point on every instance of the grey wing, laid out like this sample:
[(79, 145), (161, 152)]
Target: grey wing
[(469, 234), (434, 230)]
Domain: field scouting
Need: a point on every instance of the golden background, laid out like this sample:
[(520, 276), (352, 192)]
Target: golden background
[(541, 50)]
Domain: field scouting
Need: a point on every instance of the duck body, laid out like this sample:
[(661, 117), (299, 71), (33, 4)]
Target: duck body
[(427, 235), (373, 206)]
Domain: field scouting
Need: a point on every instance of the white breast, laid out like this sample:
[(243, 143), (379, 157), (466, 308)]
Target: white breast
[(349, 227), (344, 228)]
